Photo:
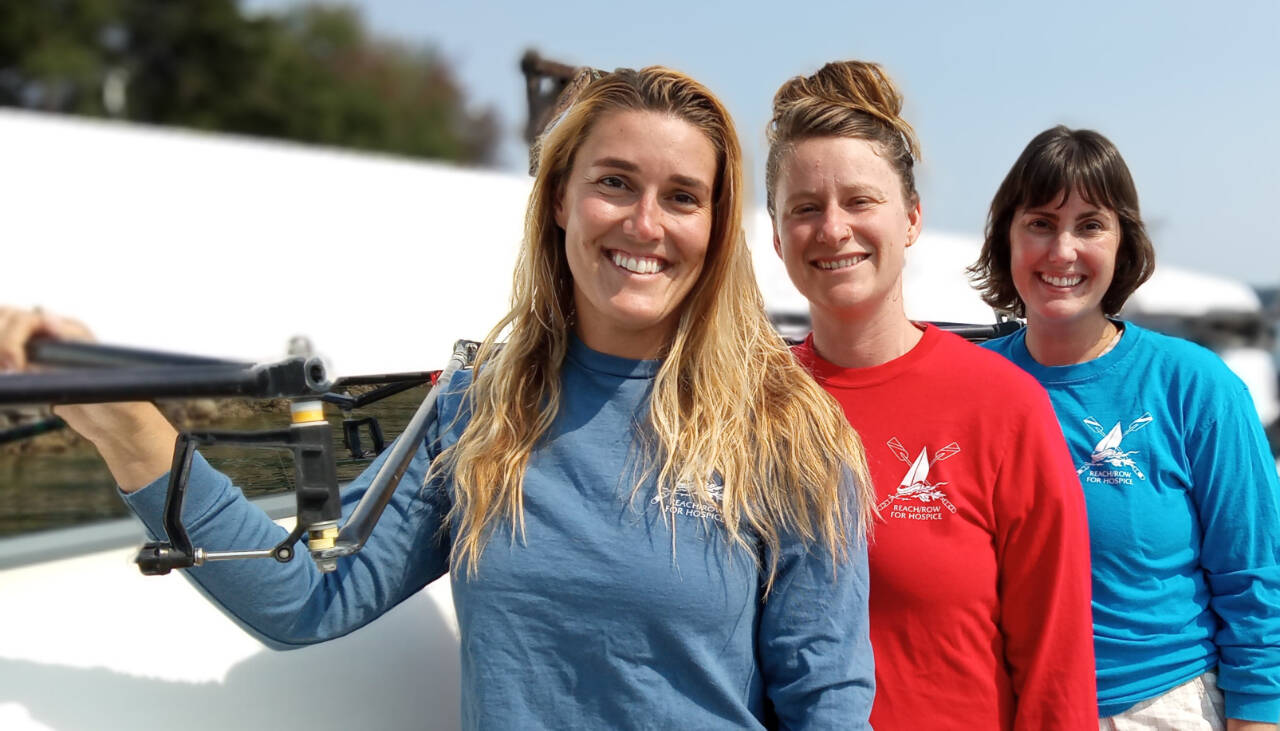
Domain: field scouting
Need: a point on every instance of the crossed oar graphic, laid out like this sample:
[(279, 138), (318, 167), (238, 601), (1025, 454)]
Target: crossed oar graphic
[(901, 453), (1112, 453)]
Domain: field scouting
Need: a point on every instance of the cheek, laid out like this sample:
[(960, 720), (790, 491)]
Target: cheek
[(1021, 259), (793, 238), (1106, 261), (576, 256), (696, 242), (588, 218)]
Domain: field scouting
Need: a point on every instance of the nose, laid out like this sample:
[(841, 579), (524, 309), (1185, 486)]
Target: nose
[(1063, 248), (835, 230), (645, 221)]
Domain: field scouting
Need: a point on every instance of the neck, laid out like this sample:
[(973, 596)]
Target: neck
[(635, 346), (1069, 343), (863, 341)]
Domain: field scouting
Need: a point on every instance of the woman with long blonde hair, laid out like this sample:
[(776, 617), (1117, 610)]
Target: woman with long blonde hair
[(652, 517), (979, 565)]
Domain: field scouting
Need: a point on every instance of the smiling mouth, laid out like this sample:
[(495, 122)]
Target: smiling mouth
[(843, 262), (1064, 280), (637, 264)]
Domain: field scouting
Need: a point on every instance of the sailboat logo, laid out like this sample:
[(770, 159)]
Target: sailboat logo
[(915, 484), (1108, 451)]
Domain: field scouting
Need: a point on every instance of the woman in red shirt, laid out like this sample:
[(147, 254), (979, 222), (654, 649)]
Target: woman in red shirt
[(980, 614)]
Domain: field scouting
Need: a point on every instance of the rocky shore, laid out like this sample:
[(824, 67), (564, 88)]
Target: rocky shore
[(185, 414)]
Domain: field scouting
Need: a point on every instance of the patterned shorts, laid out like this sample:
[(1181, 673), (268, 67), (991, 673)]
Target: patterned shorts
[(1196, 705)]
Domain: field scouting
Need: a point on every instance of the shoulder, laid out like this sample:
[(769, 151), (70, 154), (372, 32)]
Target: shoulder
[(987, 367), (453, 407), (1185, 363), (804, 353), (1006, 344), (455, 391), (1184, 354), (1194, 378)]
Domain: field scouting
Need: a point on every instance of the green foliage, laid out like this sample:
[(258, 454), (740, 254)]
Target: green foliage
[(312, 75)]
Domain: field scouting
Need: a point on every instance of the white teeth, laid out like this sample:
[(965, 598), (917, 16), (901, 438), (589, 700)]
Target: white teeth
[(1063, 281), (637, 265), (848, 261)]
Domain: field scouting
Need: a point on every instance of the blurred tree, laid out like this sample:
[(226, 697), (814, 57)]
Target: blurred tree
[(313, 74)]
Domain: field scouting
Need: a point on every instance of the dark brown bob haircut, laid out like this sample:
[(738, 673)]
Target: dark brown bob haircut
[(1055, 163)]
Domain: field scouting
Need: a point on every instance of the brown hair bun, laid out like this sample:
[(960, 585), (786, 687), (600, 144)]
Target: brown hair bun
[(854, 99)]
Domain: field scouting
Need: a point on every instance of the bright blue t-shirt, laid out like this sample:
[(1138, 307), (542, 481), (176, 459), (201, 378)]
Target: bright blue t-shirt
[(1184, 519), (599, 617)]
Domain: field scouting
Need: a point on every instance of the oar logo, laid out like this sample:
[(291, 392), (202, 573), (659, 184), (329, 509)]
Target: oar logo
[(915, 485), (1108, 452)]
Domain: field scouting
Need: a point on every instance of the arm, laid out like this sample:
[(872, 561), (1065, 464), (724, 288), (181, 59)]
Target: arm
[(814, 646), (134, 439), (1042, 550), (293, 604), (1238, 502), (284, 604)]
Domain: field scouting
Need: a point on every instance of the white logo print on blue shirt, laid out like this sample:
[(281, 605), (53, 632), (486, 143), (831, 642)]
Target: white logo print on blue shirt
[(682, 502), (1109, 464)]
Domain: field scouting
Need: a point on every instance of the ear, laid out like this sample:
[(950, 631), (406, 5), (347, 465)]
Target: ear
[(777, 242), (915, 220), (558, 207)]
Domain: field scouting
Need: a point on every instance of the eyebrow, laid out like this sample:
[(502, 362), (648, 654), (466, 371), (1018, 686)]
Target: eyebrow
[(630, 167), (1044, 211), (861, 188), (616, 162)]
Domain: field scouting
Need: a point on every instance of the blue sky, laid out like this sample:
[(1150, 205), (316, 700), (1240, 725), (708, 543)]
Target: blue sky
[(1189, 92)]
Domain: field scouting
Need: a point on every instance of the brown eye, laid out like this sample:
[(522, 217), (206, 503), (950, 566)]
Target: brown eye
[(612, 181)]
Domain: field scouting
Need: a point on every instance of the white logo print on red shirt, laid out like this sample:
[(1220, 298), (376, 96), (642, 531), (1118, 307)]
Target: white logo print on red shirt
[(915, 485)]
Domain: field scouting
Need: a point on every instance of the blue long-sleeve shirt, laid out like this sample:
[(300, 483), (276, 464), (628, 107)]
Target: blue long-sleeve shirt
[(590, 620), (1184, 519)]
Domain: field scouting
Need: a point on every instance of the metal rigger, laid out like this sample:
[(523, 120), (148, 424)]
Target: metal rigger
[(100, 374)]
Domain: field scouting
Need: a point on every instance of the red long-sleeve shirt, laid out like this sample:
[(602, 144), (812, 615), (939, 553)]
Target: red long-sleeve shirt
[(980, 615)]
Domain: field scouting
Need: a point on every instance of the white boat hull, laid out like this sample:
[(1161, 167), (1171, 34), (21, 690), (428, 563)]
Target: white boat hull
[(88, 643)]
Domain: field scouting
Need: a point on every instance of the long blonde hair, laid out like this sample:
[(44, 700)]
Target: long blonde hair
[(728, 398)]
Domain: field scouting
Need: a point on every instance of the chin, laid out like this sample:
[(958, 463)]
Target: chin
[(1063, 313), (847, 298)]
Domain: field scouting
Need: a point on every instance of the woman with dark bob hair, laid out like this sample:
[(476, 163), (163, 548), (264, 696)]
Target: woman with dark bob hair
[(1180, 485)]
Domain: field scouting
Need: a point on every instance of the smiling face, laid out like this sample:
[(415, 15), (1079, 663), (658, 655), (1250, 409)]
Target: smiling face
[(636, 210), (1062, 256), (842, 227)]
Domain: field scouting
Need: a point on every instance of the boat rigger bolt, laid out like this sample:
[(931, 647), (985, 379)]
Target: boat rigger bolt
[(320, 538)]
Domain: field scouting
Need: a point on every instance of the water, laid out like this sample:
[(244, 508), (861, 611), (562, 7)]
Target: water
[(73, 487)]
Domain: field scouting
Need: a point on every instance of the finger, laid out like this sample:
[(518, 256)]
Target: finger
[(64, 328), (16, 328), (6, 314)]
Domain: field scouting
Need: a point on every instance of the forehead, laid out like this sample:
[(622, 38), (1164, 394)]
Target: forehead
[(1064, 203), (655, 142), (821, 162), (1048, 182)]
